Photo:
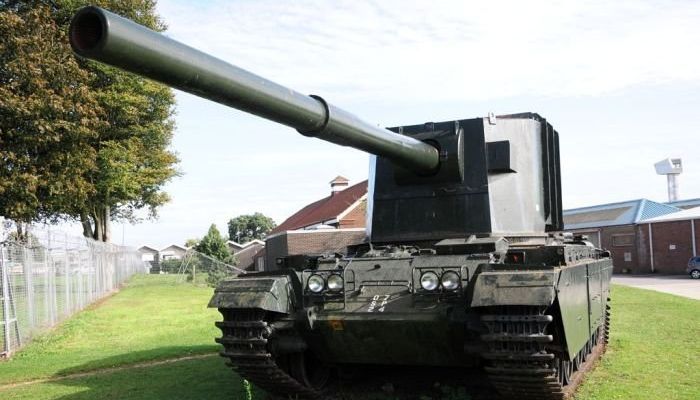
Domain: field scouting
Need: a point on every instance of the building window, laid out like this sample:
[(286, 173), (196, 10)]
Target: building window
[(622, 240)]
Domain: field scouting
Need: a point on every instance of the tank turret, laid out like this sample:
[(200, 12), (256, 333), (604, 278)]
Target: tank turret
[(432, 181)]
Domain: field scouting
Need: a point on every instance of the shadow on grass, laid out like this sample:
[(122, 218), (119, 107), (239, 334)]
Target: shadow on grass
[(138, 357), (207, 377), (210, 378), (204, 377)]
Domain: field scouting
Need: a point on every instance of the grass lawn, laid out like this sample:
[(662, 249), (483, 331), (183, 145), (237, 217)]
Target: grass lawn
[(153, 317), (654, 351), (205, 378)]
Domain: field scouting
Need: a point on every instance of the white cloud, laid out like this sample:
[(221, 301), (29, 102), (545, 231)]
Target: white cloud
[(449, 50)]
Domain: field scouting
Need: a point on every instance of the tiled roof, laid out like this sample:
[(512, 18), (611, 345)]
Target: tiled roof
[(623, 213), (685, 204), (687, 214), (322, 210)]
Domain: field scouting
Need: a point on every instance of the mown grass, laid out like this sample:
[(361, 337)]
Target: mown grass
[(654, 351), (153, 317), (206, 378)]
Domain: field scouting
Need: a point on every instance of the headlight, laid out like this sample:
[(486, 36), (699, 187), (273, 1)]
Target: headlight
[(450, 280), (315, 283), (335, 282), (429, 281)]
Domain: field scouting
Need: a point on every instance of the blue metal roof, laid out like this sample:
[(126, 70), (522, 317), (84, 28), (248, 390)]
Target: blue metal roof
[(685, 204), (622, 213)]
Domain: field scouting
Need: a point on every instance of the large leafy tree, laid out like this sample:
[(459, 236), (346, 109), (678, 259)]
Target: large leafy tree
[(78, 140), (245, 228), (48, 119)]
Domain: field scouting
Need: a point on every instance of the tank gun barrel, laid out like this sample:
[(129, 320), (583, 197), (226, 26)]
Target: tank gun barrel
[(106, 37)]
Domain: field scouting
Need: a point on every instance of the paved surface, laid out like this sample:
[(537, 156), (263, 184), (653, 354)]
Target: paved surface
[(680, 285)]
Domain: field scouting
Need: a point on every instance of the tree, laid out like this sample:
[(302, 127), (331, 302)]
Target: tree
[(214, 245), (48, 118), (78, 140), (191, 242), (245, 228)]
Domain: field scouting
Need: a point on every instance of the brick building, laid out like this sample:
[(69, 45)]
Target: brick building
[(643, 236), (327, 225), (671, 240), (614, 227), (250, 255)]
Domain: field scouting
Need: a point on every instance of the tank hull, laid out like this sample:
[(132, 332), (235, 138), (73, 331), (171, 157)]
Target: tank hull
[(510, 319)]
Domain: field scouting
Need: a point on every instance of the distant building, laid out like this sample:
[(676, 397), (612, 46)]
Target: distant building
[(614, 227), (249, 255), (327, 225), (148, 254), (671, 240), (233, 246), (173, 252), (643, 236)]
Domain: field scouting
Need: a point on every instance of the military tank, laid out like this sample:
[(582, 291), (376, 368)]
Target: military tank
[(465, 264)]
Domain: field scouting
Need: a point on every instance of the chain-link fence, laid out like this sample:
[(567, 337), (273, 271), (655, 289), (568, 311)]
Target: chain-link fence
[(50, 276), (200, 268)]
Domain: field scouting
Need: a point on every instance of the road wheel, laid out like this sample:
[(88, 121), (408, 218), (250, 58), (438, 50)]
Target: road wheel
[(695, 274)]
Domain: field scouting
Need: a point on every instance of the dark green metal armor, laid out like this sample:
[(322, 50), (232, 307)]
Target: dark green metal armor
[(465, 264)]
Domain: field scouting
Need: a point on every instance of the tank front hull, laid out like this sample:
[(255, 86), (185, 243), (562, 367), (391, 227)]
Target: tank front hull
[(431, 339)]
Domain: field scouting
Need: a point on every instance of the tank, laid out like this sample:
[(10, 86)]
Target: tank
[(465, 263)]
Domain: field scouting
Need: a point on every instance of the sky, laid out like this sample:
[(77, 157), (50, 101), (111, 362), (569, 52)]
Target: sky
[(620, 81)]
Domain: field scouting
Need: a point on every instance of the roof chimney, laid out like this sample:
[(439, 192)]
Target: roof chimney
[(671, 167), (338, 184)]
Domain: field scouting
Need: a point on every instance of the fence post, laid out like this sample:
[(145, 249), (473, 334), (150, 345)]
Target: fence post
[(28, 286), (66, 277), (5, 302), (48, 320)]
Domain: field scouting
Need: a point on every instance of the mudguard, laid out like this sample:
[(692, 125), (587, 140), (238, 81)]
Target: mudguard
[(271, 293), (508, 288)]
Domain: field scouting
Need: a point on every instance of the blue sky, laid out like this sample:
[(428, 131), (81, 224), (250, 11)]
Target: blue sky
[(619, 80)]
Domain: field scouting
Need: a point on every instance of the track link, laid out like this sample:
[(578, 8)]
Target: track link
[(245, 337), (520, 361)]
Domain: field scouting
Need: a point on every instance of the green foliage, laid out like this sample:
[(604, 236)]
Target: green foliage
[(48, 119), (214, 245), (171, 266), (78, 140), (245, 228), (217, 273)]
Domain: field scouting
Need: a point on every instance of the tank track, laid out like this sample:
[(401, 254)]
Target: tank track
[(245, 337), (520, 360)]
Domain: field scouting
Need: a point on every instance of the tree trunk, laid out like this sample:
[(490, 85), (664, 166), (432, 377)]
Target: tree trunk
[(87, 226), (21, 232), (100, 220), (106, 231)]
